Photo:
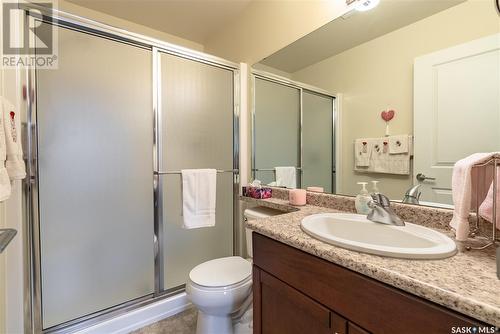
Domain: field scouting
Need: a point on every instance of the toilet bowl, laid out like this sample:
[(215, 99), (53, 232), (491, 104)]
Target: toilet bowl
[(221, 289)]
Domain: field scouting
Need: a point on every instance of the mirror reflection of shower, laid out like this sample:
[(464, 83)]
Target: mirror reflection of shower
[(293, 134)]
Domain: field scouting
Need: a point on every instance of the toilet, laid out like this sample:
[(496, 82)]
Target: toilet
[(221, 289)]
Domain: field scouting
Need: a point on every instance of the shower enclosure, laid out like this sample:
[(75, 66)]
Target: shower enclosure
[(107, 135)]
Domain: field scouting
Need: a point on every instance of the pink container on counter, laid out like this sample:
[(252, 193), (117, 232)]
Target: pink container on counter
[(316, 189), (297, 197)]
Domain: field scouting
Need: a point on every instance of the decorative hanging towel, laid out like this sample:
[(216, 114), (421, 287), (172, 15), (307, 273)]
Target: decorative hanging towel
[(381, 160), (15, 163), (5, 188)]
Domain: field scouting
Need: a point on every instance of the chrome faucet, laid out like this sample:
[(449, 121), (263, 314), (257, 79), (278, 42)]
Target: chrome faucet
[(381, 211), (412, 195)]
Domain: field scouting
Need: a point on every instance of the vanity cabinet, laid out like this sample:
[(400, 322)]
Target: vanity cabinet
[(296, 292), (286, 310)]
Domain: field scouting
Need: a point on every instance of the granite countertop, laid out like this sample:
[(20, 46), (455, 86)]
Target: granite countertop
[(466, 282)]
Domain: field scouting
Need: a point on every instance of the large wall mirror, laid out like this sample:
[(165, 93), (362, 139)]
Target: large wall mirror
[(396, 94)]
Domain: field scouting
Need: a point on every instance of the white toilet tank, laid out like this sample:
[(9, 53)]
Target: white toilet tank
[(258, 212)]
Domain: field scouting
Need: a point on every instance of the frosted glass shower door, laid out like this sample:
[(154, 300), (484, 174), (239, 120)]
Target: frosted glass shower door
[(317, 141), (95, 176), (276, 128), (196, 132)]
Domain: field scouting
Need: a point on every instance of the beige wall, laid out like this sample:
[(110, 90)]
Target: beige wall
[(379, 74), (264, 27), (127, 25)]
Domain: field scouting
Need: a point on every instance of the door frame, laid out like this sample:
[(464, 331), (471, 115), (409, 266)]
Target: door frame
[(32, 271)]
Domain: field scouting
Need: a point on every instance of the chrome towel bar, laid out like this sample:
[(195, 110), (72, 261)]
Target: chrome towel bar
[(179, 172), (269, 169)]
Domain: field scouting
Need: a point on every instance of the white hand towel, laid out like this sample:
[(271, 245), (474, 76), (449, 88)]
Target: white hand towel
[(362, 152), (399, 144), (464, 185), (286, 177), (5, 187), (15, 163), (199, 192)]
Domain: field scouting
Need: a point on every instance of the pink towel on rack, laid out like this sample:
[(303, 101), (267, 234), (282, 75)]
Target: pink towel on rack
[(486, 208), (467, 188)]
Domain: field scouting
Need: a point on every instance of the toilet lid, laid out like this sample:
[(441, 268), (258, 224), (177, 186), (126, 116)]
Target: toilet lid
[(221, 272)]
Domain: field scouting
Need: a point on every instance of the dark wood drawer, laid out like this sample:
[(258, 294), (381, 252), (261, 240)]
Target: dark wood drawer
[(372, 305), (287, 311)]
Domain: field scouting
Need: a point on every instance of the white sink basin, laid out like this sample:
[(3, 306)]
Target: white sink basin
[(357, 233)]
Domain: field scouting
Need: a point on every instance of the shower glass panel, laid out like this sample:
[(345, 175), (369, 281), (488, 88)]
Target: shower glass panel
[(277, 128), (317, 141), (95, 180), (196, 132)]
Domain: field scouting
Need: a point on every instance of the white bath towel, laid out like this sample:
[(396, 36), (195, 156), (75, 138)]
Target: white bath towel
[(399, 144), (362, 152), (15, 163), (286, 176), (199, 192)]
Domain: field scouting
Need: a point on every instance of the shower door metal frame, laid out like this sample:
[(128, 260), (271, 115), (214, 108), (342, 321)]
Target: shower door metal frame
[(258, 74), (157, 51), (32, 270)]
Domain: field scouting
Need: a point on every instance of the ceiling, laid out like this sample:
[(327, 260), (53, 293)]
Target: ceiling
[(194, 20), (353, 29)]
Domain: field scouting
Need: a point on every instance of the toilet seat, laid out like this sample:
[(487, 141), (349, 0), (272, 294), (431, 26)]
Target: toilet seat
[(222, 273), (225, 288)]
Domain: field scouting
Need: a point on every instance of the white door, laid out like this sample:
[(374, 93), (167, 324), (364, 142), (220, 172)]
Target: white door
[(456, 111)]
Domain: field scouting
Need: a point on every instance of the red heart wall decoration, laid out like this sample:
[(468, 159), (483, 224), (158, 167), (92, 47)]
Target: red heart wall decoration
[(387, 115)]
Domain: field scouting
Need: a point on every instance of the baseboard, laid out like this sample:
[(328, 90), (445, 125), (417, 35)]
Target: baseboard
[(141, 317)]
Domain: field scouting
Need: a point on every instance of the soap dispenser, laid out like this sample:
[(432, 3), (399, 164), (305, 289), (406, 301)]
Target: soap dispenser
[(362, 200), (374, 187)]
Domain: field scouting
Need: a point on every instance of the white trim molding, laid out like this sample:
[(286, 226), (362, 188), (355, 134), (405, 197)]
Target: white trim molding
[(141, 317)]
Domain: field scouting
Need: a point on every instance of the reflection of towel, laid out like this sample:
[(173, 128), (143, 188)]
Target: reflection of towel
[(399, 144), (4, 177), (15, 163), (383, 162), (380, 160), (286, 177), (198, 197), (464, 187), (362, 152), (486, 208)]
